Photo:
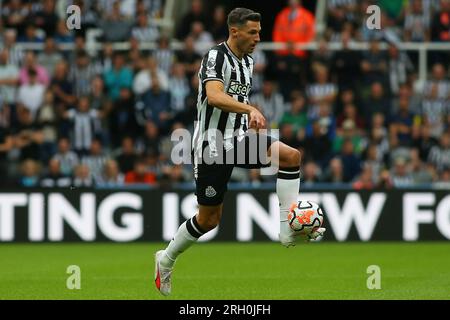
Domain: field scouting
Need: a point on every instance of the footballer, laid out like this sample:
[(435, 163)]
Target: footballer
[(227, 127)]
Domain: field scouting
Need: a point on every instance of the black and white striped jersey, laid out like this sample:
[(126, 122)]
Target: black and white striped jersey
[(221, 64)]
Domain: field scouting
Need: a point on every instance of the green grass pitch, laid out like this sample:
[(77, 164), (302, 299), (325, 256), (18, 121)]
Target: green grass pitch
[(229, 271)]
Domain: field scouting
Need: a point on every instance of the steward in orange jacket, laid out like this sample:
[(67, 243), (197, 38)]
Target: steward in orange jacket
[(294, 24)]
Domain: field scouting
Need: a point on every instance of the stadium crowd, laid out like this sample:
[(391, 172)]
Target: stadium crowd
[(82, 118)]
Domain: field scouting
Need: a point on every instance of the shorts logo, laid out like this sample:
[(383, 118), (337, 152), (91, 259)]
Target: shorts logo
[(238, 88), (210, 192)]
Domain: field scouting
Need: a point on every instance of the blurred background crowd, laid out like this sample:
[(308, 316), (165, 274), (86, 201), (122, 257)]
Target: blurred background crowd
[(104, 116)]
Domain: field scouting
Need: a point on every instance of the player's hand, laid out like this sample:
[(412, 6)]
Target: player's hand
[(256, 119), (313, 236)]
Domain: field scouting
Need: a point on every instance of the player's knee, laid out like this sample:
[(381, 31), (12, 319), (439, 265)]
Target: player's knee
[(295, 157)]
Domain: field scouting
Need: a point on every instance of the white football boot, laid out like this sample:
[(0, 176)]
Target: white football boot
[(287, 236), (163, 276)]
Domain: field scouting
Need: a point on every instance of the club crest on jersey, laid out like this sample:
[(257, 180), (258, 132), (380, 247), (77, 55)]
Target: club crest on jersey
[(238, 88)]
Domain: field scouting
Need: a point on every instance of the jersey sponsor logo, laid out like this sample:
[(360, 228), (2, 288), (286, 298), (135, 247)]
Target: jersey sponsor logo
[(238, 88), (210, 192)]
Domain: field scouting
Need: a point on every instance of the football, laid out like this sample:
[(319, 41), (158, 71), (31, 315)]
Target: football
[(305, 216)]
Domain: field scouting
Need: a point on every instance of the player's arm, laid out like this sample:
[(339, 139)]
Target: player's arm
[(218, 98)]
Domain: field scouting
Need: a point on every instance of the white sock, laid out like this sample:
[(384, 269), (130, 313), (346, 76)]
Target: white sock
[(187, 234), (288, 185)]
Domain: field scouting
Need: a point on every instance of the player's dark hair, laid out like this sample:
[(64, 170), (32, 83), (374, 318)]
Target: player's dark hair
[(239, 17)]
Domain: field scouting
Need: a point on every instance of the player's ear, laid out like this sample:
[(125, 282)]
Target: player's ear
[(233, 31)]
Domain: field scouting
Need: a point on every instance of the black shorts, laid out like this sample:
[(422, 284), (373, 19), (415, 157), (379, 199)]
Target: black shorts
[(211, 180)]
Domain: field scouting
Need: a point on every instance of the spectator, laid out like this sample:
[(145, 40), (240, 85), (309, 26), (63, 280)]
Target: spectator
[(349, 132), (122, 118), (31, 94), (47, 118), (31, 35), (350, 112), (46, 18), (318, 144), (443, 182), (351, 162), (375, 160), (196, 14), (27, 136), (54, 177), (82, 177), (434, 111), (96, 159), (423, 141), (81, 74), (322, 56), (126, 156), (400, 68), (365, 180), (270, 102), (437, 82), (179, 91), (401, 176), (259, 68), (417, 24), (421, 173), (203, 40), (104, 60), (29, 177), (67, 158), (84, 122), (143, 80), (143, 31), (440, 155), (16, 54), (155, 106), (311, 173), (219, 28), (374, 64), (164, 55), (295, 25), (111, 176), (346, 65), (62, 87), (9, 78), (118, 77), (49, 57), (296, 116), (116, 26), (290, 70), (62, 34), (340, 13), (402, 122), (376, 102), (189, 58), (140, 175), (321, 91), (31, 64), (14, 15), (334, 173)]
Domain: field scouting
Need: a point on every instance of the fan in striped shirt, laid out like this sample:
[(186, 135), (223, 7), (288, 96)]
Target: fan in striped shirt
[(221, 130)]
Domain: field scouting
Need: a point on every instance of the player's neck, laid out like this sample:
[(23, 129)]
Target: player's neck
[(234, 49)]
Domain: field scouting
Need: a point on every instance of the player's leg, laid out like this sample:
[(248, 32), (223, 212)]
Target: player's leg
[(211, 185), (206, 219), (288, 184)]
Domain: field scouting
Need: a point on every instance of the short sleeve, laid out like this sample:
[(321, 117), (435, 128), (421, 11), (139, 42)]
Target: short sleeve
[(213, 64)]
